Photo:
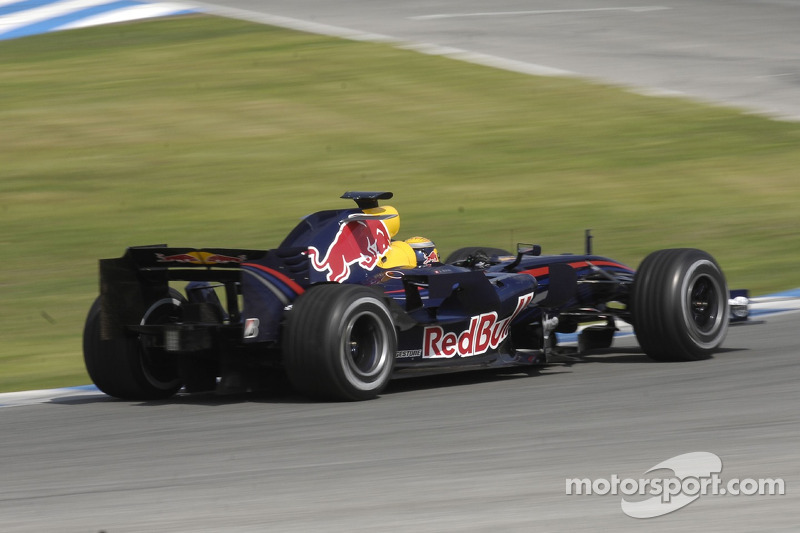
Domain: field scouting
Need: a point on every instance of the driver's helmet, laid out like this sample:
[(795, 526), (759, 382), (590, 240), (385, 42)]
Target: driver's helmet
[(424, 249)]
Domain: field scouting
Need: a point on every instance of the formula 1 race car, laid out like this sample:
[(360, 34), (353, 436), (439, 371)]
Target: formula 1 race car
[(340, 307)]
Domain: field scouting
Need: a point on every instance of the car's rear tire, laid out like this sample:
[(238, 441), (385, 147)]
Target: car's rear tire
[(339, 343), (679, 305), (121, 367)]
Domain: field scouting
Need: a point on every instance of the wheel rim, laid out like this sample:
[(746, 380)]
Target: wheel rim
[(704, 304), (159, 372), (365, 348)]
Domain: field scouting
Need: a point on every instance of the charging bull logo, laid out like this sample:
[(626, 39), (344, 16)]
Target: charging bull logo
[(200, 258), (361, 242), (430, 258)]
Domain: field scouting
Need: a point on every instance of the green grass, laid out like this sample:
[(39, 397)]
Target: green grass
[(201, 131)]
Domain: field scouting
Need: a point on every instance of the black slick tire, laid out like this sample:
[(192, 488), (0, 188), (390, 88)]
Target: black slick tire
[(679, 305), (121, 367), (339, 343)]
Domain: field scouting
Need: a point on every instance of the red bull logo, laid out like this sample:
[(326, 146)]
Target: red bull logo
[(218, 259), (358, 242), (485, 332), (430, 258), (199, 258), (178, 258)]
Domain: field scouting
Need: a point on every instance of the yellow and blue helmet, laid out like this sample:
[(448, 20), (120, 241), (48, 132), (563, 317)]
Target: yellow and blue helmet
[(425, 250)]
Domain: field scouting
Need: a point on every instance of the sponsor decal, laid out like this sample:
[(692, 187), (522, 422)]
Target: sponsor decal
[(219, 258), (179, 258), (485, 332), (358, 242), (251, 328), (430, 258), (199, 258), (407, 354)]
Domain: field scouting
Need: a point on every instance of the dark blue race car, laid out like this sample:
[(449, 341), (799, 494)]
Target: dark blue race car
[(341, 306)]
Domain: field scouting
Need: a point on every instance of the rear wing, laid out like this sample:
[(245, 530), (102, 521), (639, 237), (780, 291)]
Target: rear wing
[(162, 256), (130, 284)]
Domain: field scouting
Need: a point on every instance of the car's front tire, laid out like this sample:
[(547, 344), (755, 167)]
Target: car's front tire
[(679, 305)]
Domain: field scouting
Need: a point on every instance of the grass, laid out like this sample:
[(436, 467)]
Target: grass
[(212, 132)]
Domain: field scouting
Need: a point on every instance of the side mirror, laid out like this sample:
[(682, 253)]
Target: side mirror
[(523, 250), (528, 249)]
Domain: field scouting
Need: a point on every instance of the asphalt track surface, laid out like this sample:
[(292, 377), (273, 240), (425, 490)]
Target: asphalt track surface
[(741, 53), (476, 451), (473, 451)]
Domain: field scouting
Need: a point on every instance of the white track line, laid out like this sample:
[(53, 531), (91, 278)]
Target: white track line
[(128, 14), (293, 24), (640, 9), (357, 35), (16, 399)]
